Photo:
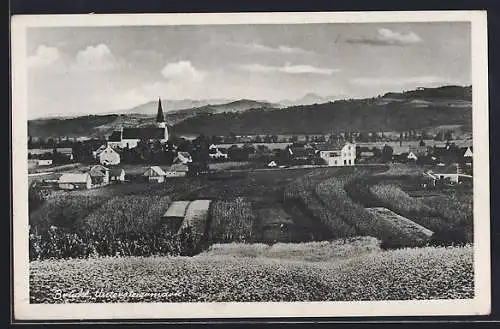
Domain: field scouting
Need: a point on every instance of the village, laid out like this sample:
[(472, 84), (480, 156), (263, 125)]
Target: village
[(117, 160)]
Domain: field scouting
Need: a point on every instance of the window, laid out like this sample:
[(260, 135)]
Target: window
[(332, 154), (345, 162), (335, 162)]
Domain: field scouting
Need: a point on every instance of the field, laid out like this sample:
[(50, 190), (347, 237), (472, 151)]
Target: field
[(404, 274), (260, 206)]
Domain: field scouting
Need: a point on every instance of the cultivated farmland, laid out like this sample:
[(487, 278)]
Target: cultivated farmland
[(405, 274)]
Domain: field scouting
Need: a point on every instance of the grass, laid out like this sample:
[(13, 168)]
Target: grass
[(306, 251), (404, 274)]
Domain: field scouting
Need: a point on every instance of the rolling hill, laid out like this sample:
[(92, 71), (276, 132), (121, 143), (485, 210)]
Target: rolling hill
[(416, 109)]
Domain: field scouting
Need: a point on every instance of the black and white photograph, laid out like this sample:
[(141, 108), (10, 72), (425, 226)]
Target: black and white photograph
[(250, 165)]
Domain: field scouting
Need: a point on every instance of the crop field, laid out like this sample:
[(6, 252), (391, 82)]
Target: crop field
[(403, 274), (232, 221), (267, 206)]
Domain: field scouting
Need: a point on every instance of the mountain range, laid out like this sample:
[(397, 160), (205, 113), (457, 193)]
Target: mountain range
[(415, 109)]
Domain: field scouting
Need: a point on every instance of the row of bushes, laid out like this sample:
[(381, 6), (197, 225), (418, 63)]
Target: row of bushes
[(302, 194), (447, 227), (58, 243)]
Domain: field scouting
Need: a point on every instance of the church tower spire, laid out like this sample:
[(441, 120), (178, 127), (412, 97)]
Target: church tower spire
[(160, 119)]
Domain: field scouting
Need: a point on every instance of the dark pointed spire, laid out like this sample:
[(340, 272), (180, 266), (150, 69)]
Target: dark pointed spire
[(159, 115)]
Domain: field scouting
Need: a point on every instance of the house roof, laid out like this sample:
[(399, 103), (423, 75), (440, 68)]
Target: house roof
[(116, 136), (449, 169), (157, 170), (331, 146), (299, 151), (98, 171), (101, 148), (184, 154), (115, 172), (73, 178), (144, 133), (177, 209)]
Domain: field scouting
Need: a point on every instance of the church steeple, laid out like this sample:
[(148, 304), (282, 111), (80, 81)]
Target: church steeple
[(160, 119)]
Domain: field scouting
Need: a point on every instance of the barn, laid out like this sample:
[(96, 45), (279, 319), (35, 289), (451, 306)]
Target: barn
[(73, 181), (177, 170)]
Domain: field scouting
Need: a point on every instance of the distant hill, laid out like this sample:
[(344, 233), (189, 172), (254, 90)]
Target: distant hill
[(309, 99), (417, 109), (172, 105)]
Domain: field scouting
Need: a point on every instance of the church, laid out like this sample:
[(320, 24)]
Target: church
[(128, 137)]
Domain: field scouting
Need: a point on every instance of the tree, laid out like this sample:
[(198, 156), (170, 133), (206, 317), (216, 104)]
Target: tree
[(387, 153), (35, 197), (422, 143)]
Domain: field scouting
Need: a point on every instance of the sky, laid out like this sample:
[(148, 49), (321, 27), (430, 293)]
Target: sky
[(91, 70)]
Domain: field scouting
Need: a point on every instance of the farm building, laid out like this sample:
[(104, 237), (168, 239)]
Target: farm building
[(116, 175), (337, 154), (177, 170), (73, 181), (154, 174), (174, 216), (47, 162), (107, 156), (99, 175), (216, 153), (451, 173)]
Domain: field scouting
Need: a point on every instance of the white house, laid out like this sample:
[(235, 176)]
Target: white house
[(44, 162), (108, 156), (337, 154), (183, 157), (411, 156), (468, 153), (216, 153), (73, 181), (154, 174), (272, 164)]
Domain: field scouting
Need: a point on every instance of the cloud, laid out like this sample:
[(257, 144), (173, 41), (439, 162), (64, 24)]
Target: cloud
[(182, 71), (98, 58), (288, 68), (386, 37), (259, 48), (398, 81), (44, 56)]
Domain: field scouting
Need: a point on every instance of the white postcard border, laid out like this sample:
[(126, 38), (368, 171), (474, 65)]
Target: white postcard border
[(480, 305)]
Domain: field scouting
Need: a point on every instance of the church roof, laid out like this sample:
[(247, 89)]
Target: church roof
[(159, 115), (144, 133), (116, 136)]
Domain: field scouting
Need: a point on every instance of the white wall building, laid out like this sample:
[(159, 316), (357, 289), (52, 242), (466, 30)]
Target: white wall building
[(337, 154)]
